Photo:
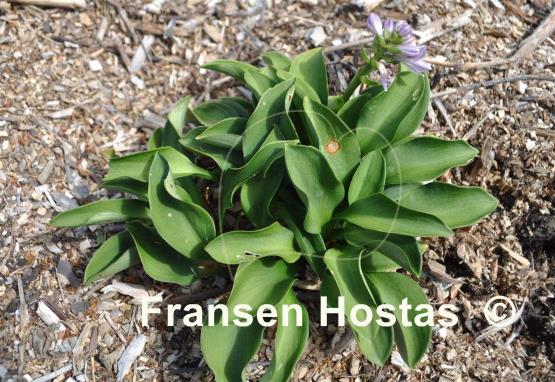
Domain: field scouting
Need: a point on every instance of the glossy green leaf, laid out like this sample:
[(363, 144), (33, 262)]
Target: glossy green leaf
[(310, 67), (334, 139), (225, 158), (129, 185), (425, 158), (239, 246), (396, 191), (377, 262), (277, 60), (391, 288), (261, 281), (375, 342), (155, 140), (257, 193), (392, 251), (136, 166), (228, 349), (159, 260), (394, 114), (302, 88), (268, 113), (214, 111), (316, 184), (404, 250), (114, 255), (369, 177), (102, 211), (233, 178), (312, 246), (258, 83), (290, 342), (235, 69), (270, 72), (226, 133), (413, 119), (183, 225), (173, 130), (184, 189), (382, 214), (351, 110), (456, 206)]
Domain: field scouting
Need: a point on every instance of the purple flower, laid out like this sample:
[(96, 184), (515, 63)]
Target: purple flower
[(386, 76), (400, 44), (375, 24)]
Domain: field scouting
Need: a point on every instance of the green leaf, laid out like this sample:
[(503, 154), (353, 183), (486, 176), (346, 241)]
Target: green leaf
[(312, 246), (129, 185), (377, 262), (235, 69), (382, 214), (302, 88), (268, 113), (404, 250), (290, 342), (173, 129), (155, 140), (228, 349), (456, 206), (183, 225), (233, 178), (394, 114), (417, 113), (262, 281), (136, 166), (277, 60), (183, 189), (310, 67), (395, 253), (335, 103), (375, 342), (391, 288), (258, 83), (239, 246), (316, 185), (257, 193), (334, 139), (114, 255), (225, 158), (369, 177), (226, 133), (352, 109), (425, 158), (214, 111), (102, 211), (159, 260), (394, 192)]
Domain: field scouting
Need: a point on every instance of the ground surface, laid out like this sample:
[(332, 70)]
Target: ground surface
[(67, 99)]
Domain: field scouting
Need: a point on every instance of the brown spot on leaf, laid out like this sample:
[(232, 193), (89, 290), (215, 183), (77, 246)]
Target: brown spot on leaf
[(332, 147)]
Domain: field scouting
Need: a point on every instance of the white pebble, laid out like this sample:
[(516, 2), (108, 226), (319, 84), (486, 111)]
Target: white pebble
[(95, 66)]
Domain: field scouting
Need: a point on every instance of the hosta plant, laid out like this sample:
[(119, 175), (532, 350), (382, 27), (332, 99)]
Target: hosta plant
[(335, 189)]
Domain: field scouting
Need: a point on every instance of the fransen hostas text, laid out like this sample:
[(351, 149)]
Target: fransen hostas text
[(243, 315)]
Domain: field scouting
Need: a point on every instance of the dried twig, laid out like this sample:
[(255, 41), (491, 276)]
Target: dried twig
[(490, 83), (542, 32), (443, 111), (54, 374)]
